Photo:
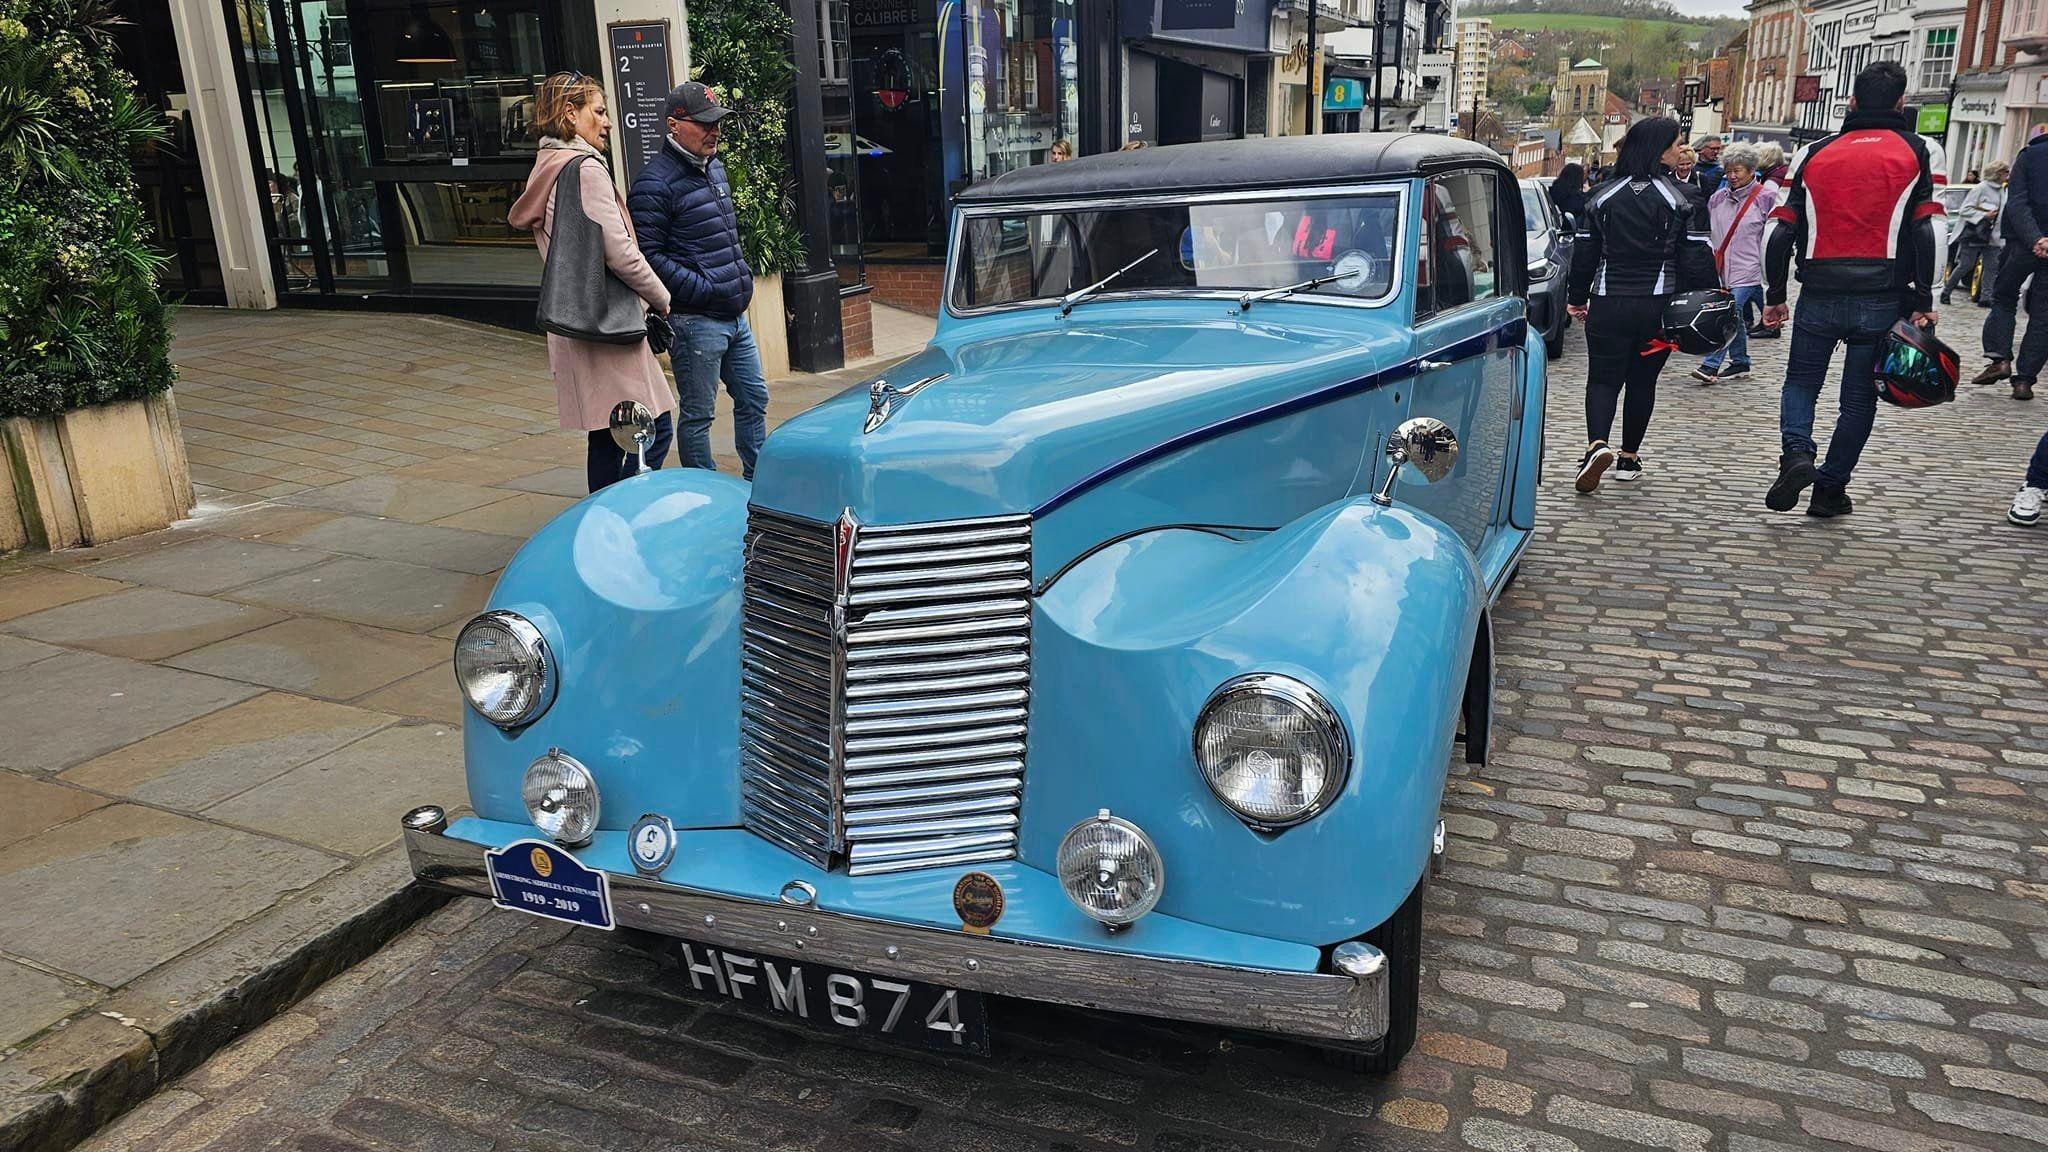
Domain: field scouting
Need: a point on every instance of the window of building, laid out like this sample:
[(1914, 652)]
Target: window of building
[(1938, 61), (2021, 16)]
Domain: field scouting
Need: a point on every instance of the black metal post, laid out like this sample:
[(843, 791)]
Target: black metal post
[(816, 343), (1315, 86), (1379, 65)]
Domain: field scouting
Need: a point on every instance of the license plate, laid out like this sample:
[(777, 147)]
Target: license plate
[(905, 1011), (537, 877)]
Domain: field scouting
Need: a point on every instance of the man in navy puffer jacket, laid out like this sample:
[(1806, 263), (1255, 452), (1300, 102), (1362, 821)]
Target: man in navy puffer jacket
[(683, 215)]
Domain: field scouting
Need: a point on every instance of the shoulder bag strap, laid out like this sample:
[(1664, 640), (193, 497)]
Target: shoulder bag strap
[(1721, 253)]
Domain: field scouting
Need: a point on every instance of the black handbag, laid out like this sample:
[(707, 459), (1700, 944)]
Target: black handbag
[(580, 297)]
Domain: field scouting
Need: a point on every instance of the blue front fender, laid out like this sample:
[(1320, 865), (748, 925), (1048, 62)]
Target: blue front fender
[(637, 590), (1376, 608)]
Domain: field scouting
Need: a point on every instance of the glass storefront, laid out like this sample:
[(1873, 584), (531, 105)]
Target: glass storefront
[(392, 136), (923, 97), (173, 191)]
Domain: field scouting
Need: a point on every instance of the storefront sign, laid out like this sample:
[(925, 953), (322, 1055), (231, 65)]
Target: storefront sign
[(1343, 94), (640, 79), (1932, 121), (1805, 89), (880, 13), (1981, 108), (1201, 14)]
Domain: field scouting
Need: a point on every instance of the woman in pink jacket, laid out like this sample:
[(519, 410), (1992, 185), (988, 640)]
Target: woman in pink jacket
[(571, 120), (1737, 209)]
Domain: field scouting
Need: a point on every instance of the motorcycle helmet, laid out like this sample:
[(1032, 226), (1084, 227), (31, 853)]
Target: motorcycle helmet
[(1701, 323), (1915, 370)]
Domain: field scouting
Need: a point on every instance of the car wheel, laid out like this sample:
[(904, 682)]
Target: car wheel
[(1401, 939)]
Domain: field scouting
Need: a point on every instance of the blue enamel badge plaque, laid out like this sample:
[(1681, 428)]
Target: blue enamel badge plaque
[(537, 877)]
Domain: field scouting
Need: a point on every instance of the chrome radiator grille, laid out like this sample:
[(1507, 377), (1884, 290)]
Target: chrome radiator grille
[(885, 693)]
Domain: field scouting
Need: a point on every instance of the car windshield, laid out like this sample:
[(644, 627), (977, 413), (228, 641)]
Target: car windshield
[(1533, 219), (1015, 256)]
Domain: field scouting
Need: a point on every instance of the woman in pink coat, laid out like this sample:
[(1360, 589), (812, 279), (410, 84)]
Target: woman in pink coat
[(590, 377)]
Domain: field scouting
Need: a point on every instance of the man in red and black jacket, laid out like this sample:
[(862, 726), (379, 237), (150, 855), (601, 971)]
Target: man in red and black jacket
[(1858, 213)]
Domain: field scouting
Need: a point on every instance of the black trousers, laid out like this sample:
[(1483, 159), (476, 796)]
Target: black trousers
[(1618, 330), (605, 463)]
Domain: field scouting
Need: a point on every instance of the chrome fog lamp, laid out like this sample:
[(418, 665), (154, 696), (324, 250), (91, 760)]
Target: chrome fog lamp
[(505, 669), (561, 798), (1110, 869), (1272, 749)]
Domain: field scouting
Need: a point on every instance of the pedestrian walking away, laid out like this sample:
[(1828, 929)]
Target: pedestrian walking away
[(1978, 246), (591, 376), (1643, 238), (2024, 253), (682, 206), (1568, 191), (1739, 210), (1858, 215)]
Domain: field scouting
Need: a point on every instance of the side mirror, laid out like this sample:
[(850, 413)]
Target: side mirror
[(1425, 443), (1571, 222), (633, 430)]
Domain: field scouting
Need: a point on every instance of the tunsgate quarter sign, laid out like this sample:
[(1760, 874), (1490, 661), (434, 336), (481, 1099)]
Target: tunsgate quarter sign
[(640, 66)]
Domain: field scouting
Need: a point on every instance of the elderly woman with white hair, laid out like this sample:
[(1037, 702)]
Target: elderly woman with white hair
[(1980, 242), (1737, 211)]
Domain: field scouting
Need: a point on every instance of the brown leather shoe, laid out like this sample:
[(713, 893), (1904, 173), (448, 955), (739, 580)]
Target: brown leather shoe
[(1993, 372), (2023, 389)]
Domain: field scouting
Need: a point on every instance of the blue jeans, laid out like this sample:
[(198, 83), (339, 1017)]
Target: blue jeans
[(1821, 322), (2037, 468), (707, 350), (1738, 349)]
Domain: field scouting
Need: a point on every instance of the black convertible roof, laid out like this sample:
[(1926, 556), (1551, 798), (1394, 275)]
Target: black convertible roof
[(1229, 165)]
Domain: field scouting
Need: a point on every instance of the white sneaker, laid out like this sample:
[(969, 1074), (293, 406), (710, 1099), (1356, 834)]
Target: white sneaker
[(2026, 507)]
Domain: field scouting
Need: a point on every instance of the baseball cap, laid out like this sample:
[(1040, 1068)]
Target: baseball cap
[(694, 101)]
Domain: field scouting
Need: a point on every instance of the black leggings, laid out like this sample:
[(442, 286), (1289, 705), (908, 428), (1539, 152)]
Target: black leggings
[(1618, 328)]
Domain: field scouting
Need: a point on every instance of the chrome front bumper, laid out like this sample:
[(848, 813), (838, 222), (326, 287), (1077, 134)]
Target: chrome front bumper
[(1346, 1010)]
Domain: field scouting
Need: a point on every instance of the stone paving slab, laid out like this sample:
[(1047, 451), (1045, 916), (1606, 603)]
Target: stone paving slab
[(141, 623), (206, 565), (330, 659), (78, 705), (377, 593)]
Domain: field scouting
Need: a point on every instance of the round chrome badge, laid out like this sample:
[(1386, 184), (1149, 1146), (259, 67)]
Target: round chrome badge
[(979, 901), (652, 844)]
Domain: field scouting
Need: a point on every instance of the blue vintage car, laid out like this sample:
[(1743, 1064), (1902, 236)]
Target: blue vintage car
[(1111, 651)]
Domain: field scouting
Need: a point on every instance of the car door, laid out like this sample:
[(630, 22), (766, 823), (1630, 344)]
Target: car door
[(1468, 344)]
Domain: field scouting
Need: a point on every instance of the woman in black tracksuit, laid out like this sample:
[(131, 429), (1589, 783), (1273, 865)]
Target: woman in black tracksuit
[(1643, 238)]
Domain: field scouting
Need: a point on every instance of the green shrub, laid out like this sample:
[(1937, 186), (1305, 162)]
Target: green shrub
[(741, 48), (80, 319)]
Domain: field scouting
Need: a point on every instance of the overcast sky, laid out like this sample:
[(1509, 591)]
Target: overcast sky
[(1709, 7)]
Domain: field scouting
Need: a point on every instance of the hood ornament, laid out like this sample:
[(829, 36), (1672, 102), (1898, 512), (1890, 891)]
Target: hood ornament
[(882, 397)]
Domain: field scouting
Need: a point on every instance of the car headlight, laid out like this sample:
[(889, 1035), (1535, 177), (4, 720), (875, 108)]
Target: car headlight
[(505, 669), (561, 798), (1272, 749), (1110, 869)]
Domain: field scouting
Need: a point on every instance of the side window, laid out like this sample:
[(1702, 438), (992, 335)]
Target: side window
[(1460, 222)]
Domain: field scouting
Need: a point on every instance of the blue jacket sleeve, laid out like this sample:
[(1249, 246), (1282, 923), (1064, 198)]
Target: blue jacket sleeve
[(652, 206)]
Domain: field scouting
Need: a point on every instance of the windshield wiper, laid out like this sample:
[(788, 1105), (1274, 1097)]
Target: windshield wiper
[(1245, 302), (1068, 301)]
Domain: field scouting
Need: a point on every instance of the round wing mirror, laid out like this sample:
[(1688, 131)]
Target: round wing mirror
[(1425, 444), (632, 425)]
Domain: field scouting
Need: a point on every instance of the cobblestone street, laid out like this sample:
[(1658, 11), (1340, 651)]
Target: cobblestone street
[(1758, 866)]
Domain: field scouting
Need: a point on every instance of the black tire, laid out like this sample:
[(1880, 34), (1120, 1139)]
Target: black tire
[(1553, 346), (1401, 939)]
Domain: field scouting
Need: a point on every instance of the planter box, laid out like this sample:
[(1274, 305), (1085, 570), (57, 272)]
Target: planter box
[(93, 475), (770, 322)]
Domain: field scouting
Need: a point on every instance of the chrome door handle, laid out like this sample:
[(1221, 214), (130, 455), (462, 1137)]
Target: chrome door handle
[(1431, 365)]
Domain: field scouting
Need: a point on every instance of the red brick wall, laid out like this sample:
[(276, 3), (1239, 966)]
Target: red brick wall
[(856, 326), (911, 286)]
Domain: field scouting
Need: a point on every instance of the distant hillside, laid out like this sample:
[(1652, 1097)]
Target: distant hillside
[(1572, 22)]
